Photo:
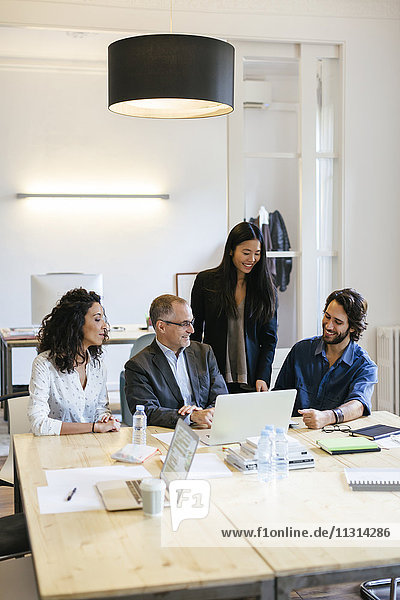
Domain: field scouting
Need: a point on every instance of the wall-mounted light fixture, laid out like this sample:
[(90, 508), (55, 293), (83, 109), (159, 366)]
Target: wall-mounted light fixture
[(127, 196)]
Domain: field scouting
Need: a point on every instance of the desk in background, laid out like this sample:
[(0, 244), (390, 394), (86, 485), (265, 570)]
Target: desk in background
[(10, 341), (103, 555)]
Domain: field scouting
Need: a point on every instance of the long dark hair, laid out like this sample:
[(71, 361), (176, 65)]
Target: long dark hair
[(61, 331), (260, 288)]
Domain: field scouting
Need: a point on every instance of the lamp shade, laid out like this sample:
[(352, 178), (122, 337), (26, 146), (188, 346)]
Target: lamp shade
[(168, 76)]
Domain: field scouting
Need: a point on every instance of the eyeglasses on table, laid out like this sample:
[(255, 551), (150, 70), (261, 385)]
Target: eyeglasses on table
[(331, 428)]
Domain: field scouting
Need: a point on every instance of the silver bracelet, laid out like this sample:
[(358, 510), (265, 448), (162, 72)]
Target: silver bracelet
[(335, 412), (340, 415)]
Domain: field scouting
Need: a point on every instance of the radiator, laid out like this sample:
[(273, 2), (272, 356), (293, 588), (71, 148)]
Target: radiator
[(388, 359)]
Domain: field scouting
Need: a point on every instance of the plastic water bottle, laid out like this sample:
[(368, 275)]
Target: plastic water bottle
[(265, 454), (264, 457), (271, 434), (281, 454), (139, 425)]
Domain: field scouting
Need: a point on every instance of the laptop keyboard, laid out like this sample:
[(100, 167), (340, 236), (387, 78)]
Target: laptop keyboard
[(134, 488)]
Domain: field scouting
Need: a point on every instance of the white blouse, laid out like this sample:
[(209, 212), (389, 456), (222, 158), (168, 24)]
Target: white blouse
[(56, 397)]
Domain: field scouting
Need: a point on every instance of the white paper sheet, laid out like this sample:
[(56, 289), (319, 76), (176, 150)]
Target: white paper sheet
[(389, 442), (167, 437), (53, 497), (164, 437), (207, 466)]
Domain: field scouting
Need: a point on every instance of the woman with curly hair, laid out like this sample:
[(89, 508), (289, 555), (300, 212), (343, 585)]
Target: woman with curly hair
[(68, 385)]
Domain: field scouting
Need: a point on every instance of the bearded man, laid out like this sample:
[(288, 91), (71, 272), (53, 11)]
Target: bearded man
[(334, 377)]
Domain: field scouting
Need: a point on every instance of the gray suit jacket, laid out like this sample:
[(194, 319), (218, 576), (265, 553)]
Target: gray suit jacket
[(151, 382)]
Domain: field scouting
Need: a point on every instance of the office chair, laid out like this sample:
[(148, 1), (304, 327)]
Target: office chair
[(140, 343), (380, 589), (18, 580), (22, 391), (19, 423), (14, 538)]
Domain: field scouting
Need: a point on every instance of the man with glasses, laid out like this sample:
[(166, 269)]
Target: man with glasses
[(333, 375), (173, 377)]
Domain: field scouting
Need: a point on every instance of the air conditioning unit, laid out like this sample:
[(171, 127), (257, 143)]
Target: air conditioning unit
[(257, 94)]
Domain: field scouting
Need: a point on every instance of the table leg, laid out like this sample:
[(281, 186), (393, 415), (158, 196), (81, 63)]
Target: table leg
[(6, 373), (3, 367), (267, 590), (17, 490), (9, 384)]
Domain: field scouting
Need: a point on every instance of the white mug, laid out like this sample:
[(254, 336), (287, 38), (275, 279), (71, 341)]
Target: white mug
[(153, 492)]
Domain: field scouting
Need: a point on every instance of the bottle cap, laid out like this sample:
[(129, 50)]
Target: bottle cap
[(139, 407), (279, 430)]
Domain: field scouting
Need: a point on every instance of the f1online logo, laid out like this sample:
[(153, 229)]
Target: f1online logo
[(189, 499)]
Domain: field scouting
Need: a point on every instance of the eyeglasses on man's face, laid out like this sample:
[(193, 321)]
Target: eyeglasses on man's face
[(332, 428), (183, 324)]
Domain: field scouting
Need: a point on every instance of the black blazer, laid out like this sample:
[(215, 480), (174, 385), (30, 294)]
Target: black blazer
[(150, 381), (212, 328)]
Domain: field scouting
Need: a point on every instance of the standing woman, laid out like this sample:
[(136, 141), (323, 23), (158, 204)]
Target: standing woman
[(68, 385), (234, 309)]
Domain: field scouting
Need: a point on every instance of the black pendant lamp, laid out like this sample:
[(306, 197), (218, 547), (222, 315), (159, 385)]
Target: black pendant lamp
[(170, 76)]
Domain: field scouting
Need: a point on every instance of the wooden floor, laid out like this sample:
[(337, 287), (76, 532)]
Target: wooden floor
[(348, 591), (344, 591)]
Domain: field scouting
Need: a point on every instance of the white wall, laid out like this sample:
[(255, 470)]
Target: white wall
[(371, 136), (372, 175), (58, 136), (54, 134)]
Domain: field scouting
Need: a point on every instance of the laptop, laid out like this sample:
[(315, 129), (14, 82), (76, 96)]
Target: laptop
[(126, 495), (239, 416)]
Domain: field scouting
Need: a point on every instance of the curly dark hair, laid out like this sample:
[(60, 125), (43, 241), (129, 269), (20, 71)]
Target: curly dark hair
[(355, 307), (261, 292), (61, 331)]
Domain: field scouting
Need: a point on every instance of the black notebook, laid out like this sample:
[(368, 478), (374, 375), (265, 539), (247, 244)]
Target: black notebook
[(376, 432), (373, 480)]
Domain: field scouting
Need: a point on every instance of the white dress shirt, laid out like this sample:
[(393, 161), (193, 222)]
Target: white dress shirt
[(179, 369), (56, 397)]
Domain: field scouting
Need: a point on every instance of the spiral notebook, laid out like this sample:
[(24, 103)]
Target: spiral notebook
[(369, 480)]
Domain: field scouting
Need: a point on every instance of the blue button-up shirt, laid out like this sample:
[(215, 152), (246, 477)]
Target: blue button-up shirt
[(319, 386)]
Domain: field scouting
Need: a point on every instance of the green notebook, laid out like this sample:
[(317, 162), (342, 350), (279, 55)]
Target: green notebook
[(348, 445)]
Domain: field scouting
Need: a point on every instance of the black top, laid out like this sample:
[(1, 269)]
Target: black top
[(211, 327)]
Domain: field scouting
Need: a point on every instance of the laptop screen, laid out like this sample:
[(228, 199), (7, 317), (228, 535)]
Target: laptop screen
[(180, 453)]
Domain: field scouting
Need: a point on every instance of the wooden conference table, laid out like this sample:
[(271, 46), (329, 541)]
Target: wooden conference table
[(100, 555), (14, 339)]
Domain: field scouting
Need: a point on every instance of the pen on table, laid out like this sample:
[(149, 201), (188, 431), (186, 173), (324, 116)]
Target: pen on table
[(71, 494)]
